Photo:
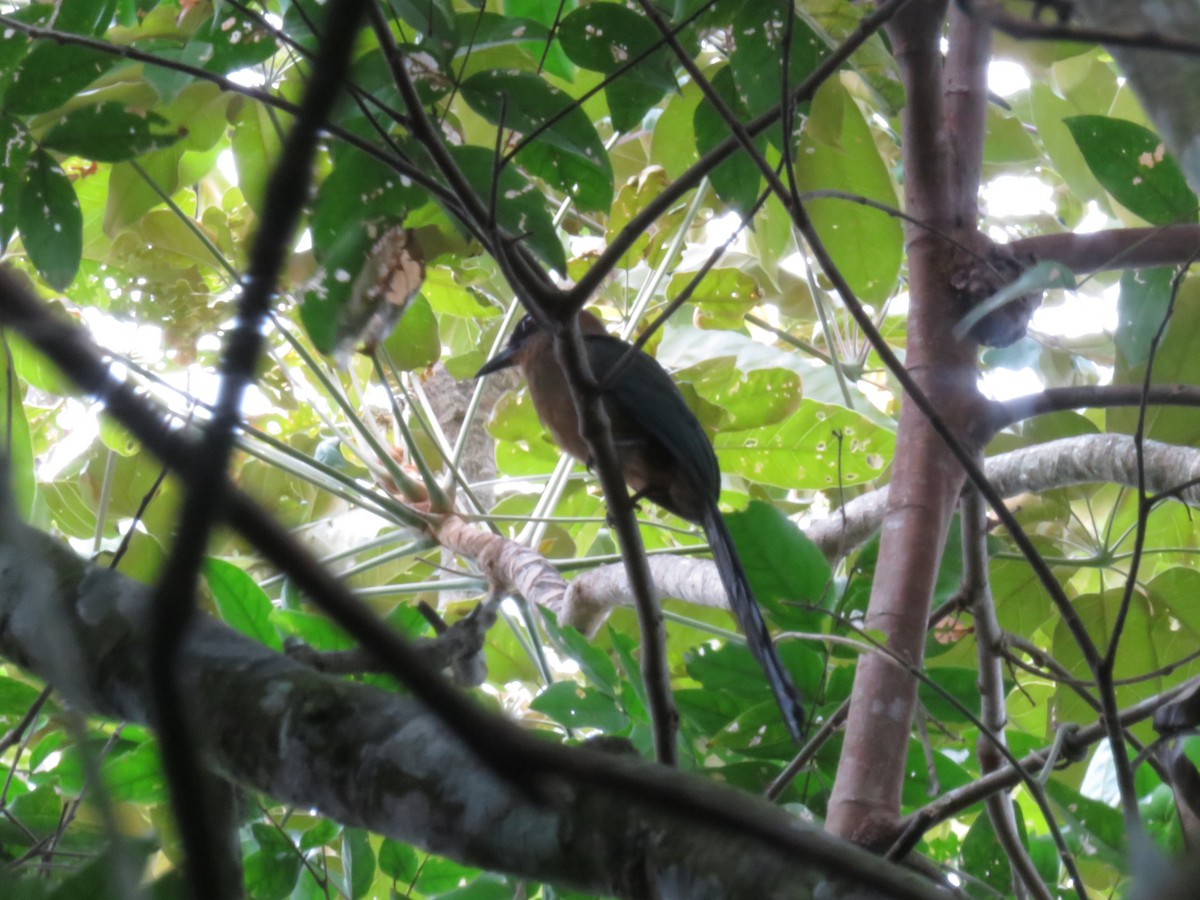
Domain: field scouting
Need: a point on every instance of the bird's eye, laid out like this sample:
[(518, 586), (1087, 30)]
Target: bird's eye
[(525, 328)]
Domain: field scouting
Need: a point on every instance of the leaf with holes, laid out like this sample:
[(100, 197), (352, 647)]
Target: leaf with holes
[(52, 74), (603, 37), (561, 147), (49, 220), (1133, 165), (737, 178), (107, 132), (520, 206)]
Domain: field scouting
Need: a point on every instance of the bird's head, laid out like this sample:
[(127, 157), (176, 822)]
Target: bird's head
[(513, 351), (521, 342)]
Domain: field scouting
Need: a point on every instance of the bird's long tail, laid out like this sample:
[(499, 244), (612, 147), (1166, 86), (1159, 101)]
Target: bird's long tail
[(750, 618)]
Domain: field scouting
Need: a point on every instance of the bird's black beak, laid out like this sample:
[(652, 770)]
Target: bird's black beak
[(502, 360)]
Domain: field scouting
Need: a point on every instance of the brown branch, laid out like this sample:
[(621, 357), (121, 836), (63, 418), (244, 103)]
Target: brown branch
[(1095, 396), (1032, 29), (966, 106), (1086, 459), (386, 762), (960, 799), (1117, 248), (977, 596)]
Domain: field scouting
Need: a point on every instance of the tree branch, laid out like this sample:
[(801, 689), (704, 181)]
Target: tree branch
[(1117, 248), (1087, 459), (384, 762)]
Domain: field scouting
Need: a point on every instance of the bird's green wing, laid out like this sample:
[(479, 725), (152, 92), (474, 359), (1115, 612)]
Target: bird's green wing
[(645, 391)]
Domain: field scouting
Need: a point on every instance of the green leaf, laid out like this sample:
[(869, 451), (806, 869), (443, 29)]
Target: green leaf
[(242, 603), (415, 343), (447, 297), (131, 196), (837, 151), (52, 74), (1092, 828), (782, 564), (16, 441), (94, 879), (87, 17), (732, 672), (107, 132), (757, 58), (575, 706), (804, 451), (334, 309), (948, 775), (359, 189), (36, 369), (603, 37), (1142, 650), (433, 20), (1132, 164), (723, 296), (749, 399), (233, 42), (1175, 362), (324, 831), (359, 859), (735, 180), (49, 220), (593, 662), (16, 697), (566, 152), (136, 776), (520, 206), (485, 29), (398, 861), (1145, 296), (487, 886), (548, 15), (116, 438), (256, 142), (707, 711), (15, 144), (315, 630), (437, 876), (670, 146), (984, 856), (15, 44), (271, 874), (728, 669), (961, 684)]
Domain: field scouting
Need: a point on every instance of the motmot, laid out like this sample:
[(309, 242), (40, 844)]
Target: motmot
[(664, 454)]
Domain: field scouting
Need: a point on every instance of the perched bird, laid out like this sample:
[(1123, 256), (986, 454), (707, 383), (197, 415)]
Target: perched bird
[(665, 457)]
